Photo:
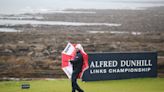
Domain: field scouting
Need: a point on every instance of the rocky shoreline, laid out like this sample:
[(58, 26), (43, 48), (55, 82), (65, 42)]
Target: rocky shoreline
[(35, 52)]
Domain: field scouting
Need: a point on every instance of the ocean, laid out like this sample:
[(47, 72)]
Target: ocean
[(14, 12)]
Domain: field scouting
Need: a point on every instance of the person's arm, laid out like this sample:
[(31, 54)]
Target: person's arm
[(76, 59)]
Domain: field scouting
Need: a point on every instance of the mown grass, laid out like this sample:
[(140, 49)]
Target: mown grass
[(64, 85)]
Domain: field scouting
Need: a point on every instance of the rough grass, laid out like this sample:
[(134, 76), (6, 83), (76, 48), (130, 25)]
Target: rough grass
[(64, 85)]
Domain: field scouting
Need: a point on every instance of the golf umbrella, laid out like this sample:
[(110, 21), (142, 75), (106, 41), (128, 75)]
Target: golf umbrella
[(68, 54)]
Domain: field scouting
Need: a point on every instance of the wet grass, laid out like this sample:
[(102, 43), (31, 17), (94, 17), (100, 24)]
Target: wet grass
[(64, 85)]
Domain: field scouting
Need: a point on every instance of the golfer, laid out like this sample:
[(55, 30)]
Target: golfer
[(77, 63)]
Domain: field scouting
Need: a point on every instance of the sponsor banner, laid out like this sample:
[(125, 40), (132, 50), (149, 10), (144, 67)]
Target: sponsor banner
[(108, 66)]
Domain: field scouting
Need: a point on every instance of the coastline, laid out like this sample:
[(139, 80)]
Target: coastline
[(38, 47)]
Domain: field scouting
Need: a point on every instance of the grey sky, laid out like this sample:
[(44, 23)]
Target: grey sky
[(13, 6)]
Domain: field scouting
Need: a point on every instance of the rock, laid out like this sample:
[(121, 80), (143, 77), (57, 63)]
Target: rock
[(21, 42), (30, 53), (39, 47)]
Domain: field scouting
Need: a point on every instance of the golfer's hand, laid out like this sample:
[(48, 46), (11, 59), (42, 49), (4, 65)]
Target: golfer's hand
[(69, 60)]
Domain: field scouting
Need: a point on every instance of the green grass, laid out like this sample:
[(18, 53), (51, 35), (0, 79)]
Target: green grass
[(128, 85)]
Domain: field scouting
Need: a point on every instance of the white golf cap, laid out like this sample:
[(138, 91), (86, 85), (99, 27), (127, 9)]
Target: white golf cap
[(78, 46)]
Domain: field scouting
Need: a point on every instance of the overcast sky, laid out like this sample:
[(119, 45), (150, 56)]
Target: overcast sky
[(24, 5)]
